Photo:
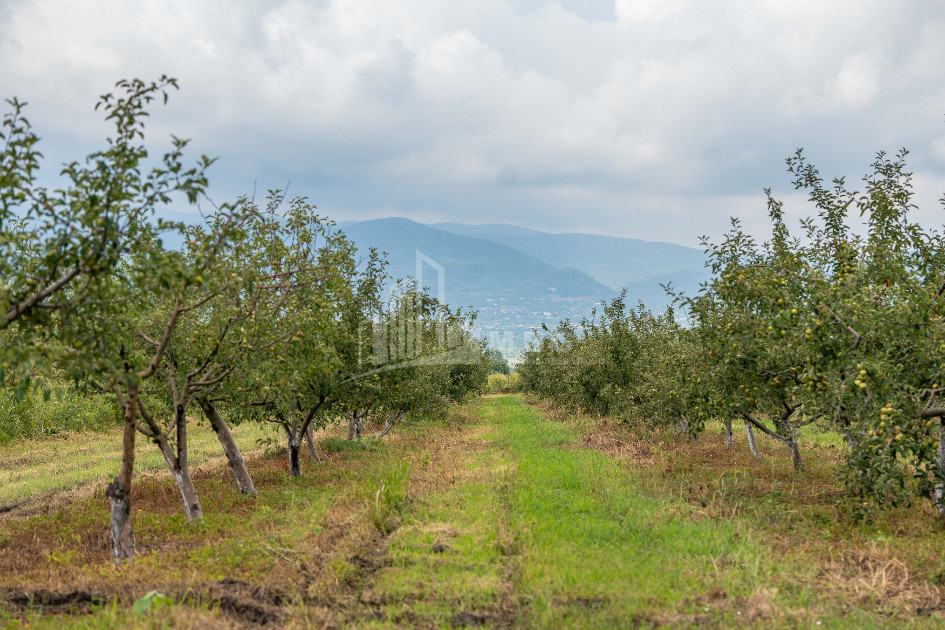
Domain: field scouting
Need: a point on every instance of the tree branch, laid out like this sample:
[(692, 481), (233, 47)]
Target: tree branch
[(857, 336), (764, 429), (17, 310)]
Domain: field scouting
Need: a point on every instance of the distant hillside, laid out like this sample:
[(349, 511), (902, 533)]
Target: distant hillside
[(636, 265), (517, 277), (473, 266), (512, 290), (483, 230)]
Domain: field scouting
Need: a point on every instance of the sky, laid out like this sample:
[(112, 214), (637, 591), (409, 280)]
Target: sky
[(651, 119)]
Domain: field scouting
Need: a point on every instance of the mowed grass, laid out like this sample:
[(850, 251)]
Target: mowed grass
[(29, 468), (597, 550), (507, 515), (584, 523)]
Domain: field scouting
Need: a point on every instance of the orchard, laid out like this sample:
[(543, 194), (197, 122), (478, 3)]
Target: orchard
[(835, 324), (264, 314)]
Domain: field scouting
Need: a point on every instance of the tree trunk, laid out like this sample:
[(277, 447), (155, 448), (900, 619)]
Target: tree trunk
[(352, 421), (119, 490), (310, 442), (185, 481), (233, 455), (939, 487), (751, 440), (795, 453), (295, 465), (389, 424), (729, 438), (185, 484)]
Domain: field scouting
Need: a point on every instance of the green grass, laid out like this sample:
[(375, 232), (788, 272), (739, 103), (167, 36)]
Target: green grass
[(53, 410), (557, 536), (388, 495), (513, 516), (596, 550), (447, 564), (33, 467)]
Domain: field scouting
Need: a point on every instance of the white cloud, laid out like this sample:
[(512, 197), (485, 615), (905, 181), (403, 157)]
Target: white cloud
[(857, 81), (937, 147), (854, 86), (637, 11), (426, 106)]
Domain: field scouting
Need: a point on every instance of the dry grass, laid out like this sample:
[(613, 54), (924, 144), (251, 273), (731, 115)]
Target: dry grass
[(876, 577), (884, 565), (306, 555), (312, 570)]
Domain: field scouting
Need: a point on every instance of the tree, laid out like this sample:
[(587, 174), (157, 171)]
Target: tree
[(497, 362), (219, 278), (76, 256), (293, 382)]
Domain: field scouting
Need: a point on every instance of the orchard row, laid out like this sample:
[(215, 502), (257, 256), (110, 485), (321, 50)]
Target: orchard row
[(839, 324), (263, 314)]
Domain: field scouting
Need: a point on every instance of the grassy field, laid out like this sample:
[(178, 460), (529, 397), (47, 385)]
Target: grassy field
[(507, 515)]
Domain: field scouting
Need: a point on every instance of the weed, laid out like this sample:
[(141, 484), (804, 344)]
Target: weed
[(339, 445), (271, 447), (51, 410), (151, 601), (389, 500)]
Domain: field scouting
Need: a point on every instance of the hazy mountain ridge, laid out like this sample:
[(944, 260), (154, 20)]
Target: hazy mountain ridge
[(520, 277), (473, 266), (612, 261)]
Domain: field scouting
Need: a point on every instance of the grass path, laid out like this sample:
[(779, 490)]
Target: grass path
[(557, 535), (30, 468), (505, 516)]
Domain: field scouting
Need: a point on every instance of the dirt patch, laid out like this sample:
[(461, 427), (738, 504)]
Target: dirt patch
[(4, 509), (53, 602), (877, 577), (586, 602), (55, 552), (466, 619), (247, 603), (616, 444)]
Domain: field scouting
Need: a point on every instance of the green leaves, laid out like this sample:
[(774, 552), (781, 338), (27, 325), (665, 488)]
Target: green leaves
[(151, 601), (70, 253), (829, 325)]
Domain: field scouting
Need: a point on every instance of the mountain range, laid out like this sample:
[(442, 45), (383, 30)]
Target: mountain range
[(519, 277)]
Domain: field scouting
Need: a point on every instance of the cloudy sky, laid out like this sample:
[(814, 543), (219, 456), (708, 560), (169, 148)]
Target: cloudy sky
[(653, 119)]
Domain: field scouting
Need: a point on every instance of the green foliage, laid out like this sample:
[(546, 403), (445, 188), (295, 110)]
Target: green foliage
[(265, 314), (831, 326), (338, 445), (390, 496), (151, 601), (52, 410), (497, 362), (499, 383), (70, 247), (596, 365)]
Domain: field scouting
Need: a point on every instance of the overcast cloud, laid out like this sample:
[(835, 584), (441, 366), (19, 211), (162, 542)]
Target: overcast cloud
[(643, 118)]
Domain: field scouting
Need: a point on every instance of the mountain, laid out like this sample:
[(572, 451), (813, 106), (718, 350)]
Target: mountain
[(512, 290), (483, 230), (473, 267), (620, 263), (517, 277)]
